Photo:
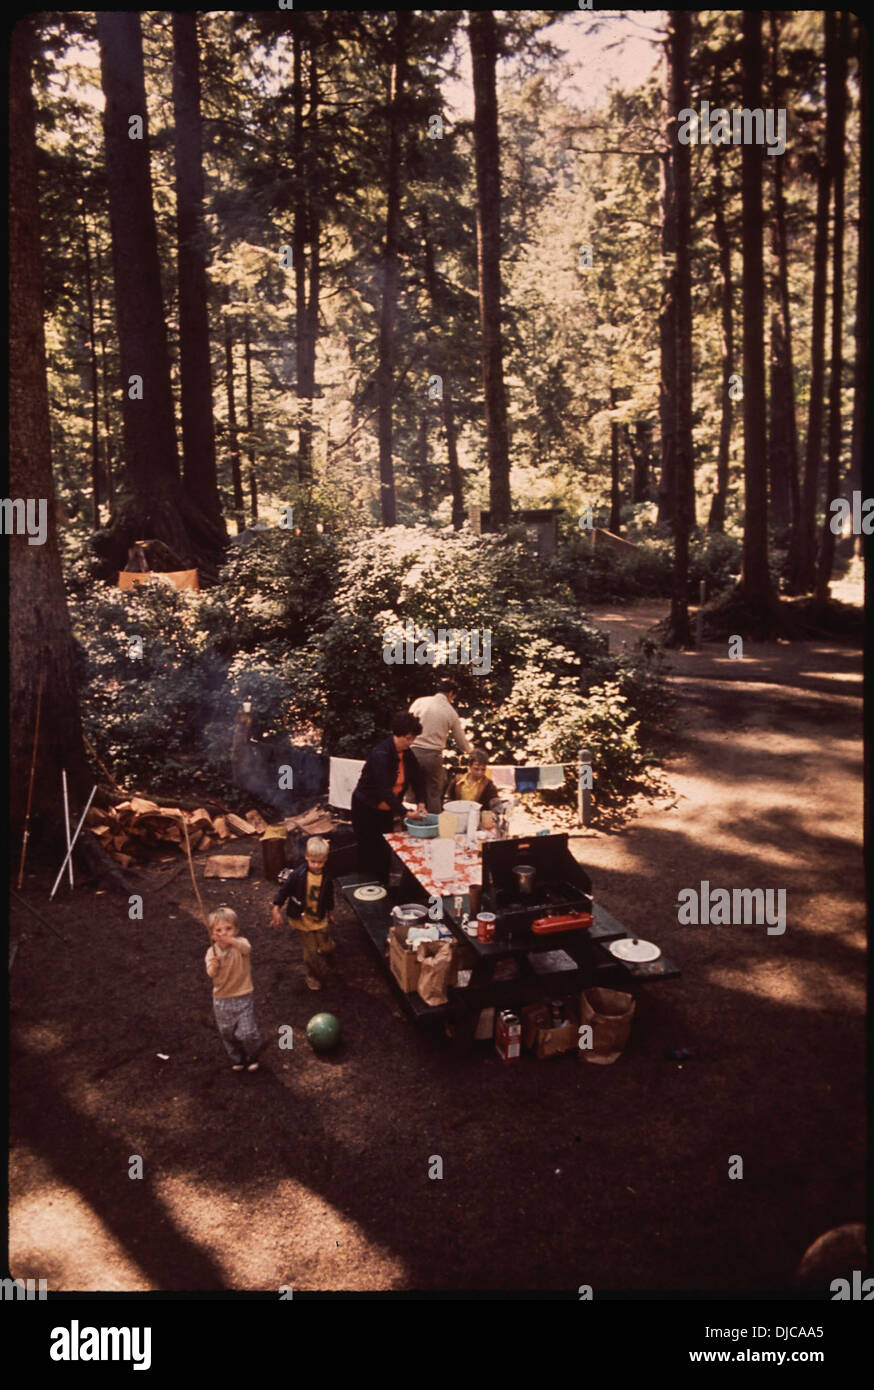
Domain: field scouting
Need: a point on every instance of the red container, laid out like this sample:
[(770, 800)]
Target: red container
[(485, 926), (508, 1037)]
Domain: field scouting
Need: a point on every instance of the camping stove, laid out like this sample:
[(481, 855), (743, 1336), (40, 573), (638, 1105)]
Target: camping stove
[(561, 890)]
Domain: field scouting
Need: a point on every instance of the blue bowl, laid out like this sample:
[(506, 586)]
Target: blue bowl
[(424, 829)]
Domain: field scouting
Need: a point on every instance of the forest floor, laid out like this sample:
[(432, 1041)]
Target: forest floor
[(313, 1172)]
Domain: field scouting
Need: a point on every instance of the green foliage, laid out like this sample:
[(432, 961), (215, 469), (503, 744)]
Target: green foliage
[(276, 590), (602, 575), (298, 625)]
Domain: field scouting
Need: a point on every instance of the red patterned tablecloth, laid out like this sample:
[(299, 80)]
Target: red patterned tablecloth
[(416, 855)]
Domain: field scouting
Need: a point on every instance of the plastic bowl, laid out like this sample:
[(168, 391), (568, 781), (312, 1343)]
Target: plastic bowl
[(423, 829)]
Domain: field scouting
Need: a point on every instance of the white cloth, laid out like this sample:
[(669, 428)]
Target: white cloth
[(438, 720), (503, 777), (343, 781)]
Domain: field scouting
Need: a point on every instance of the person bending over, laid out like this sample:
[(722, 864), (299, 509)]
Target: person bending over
[(378, 796)]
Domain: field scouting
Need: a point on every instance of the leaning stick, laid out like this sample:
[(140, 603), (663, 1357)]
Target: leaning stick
[(193, 879), (103, 767), (67, 820), (26, 835), (75, 838)]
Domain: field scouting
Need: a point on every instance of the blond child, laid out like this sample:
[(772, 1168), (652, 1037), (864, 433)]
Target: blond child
[(306, 892), (228, 964)]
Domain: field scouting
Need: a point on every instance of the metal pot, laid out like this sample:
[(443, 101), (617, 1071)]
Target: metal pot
[(409, 915), (524, 875)]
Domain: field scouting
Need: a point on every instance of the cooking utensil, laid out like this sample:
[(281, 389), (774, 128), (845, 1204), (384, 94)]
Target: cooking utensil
[(524, 876)]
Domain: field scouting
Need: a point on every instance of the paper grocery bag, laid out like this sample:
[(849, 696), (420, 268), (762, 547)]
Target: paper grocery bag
[(435, 967), (609, 1012)]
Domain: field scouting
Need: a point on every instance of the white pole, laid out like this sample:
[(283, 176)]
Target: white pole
[(67, 821), (75, 838)]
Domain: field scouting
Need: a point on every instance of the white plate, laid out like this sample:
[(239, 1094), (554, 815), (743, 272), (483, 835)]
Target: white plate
[(626, 949), (369, 893)]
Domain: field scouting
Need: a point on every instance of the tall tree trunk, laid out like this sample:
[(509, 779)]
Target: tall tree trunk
[(679, 633), (388, 314), (40, 639), (720, 231), (836, 84), (484, 54), (299, 241), (803, 546), (424, 469), (667, 487), (755, 576), (250, 422), (861, 410), (639, 445), (155, 506), (233, 430), (198, 426), (615, 498), (782, 433), (92, 359), (313, 233), (442, 362), (105, 391)]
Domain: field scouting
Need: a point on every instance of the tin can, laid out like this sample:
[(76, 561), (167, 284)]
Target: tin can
[(485, 926), (508, 1036)]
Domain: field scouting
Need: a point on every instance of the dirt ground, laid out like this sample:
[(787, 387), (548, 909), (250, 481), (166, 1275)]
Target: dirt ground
[(313, 1172)]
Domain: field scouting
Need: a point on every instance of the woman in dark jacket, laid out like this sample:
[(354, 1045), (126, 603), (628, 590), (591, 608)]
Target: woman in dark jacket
[(378, 797)]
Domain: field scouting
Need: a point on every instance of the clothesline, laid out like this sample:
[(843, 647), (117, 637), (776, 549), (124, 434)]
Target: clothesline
[(532, 777)]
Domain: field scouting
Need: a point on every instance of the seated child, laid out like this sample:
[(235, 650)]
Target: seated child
[(474, 785), (228, 965), (306, 891)]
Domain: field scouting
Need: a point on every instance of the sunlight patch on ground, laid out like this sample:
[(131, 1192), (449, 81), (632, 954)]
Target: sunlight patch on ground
[(831, 676), (38, 1037), (822, 987), (54, 1234), (287, 1235)]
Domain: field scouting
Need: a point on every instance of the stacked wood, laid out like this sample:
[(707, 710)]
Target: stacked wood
[(315, 822), (132, 830)]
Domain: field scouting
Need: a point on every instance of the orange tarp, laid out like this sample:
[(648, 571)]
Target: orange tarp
[(180, 579)]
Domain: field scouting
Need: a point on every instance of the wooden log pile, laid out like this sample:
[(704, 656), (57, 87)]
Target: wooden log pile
[(133, 830)]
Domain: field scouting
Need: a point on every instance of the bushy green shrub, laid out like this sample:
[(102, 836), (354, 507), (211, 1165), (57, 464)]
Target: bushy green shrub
[(603, 575), (298, 626)]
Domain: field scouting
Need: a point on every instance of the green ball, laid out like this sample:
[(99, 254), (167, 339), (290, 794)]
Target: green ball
[(323, 1032)]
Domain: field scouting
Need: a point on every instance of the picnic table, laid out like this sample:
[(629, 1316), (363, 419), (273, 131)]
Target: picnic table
[(592, 965)]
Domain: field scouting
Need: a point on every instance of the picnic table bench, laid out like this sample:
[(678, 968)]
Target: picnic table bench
[(463, 1007)]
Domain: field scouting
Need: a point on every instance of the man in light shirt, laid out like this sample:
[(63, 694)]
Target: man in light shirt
[(438, 720)]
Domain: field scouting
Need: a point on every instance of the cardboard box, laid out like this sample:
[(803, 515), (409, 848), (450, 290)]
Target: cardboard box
[(542, 1038), (404, 965)]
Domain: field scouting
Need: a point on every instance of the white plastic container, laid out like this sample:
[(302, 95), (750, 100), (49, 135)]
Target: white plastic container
[(461, 810)]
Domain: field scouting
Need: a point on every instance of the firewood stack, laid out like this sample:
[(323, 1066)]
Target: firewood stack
[(134, 829)]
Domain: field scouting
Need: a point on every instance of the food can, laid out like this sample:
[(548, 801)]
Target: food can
[(485, 926)]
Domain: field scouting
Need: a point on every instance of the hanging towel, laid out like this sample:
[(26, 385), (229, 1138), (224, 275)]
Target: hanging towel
[(527, 779), (551, 776), (503, 777), (343, 781)]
